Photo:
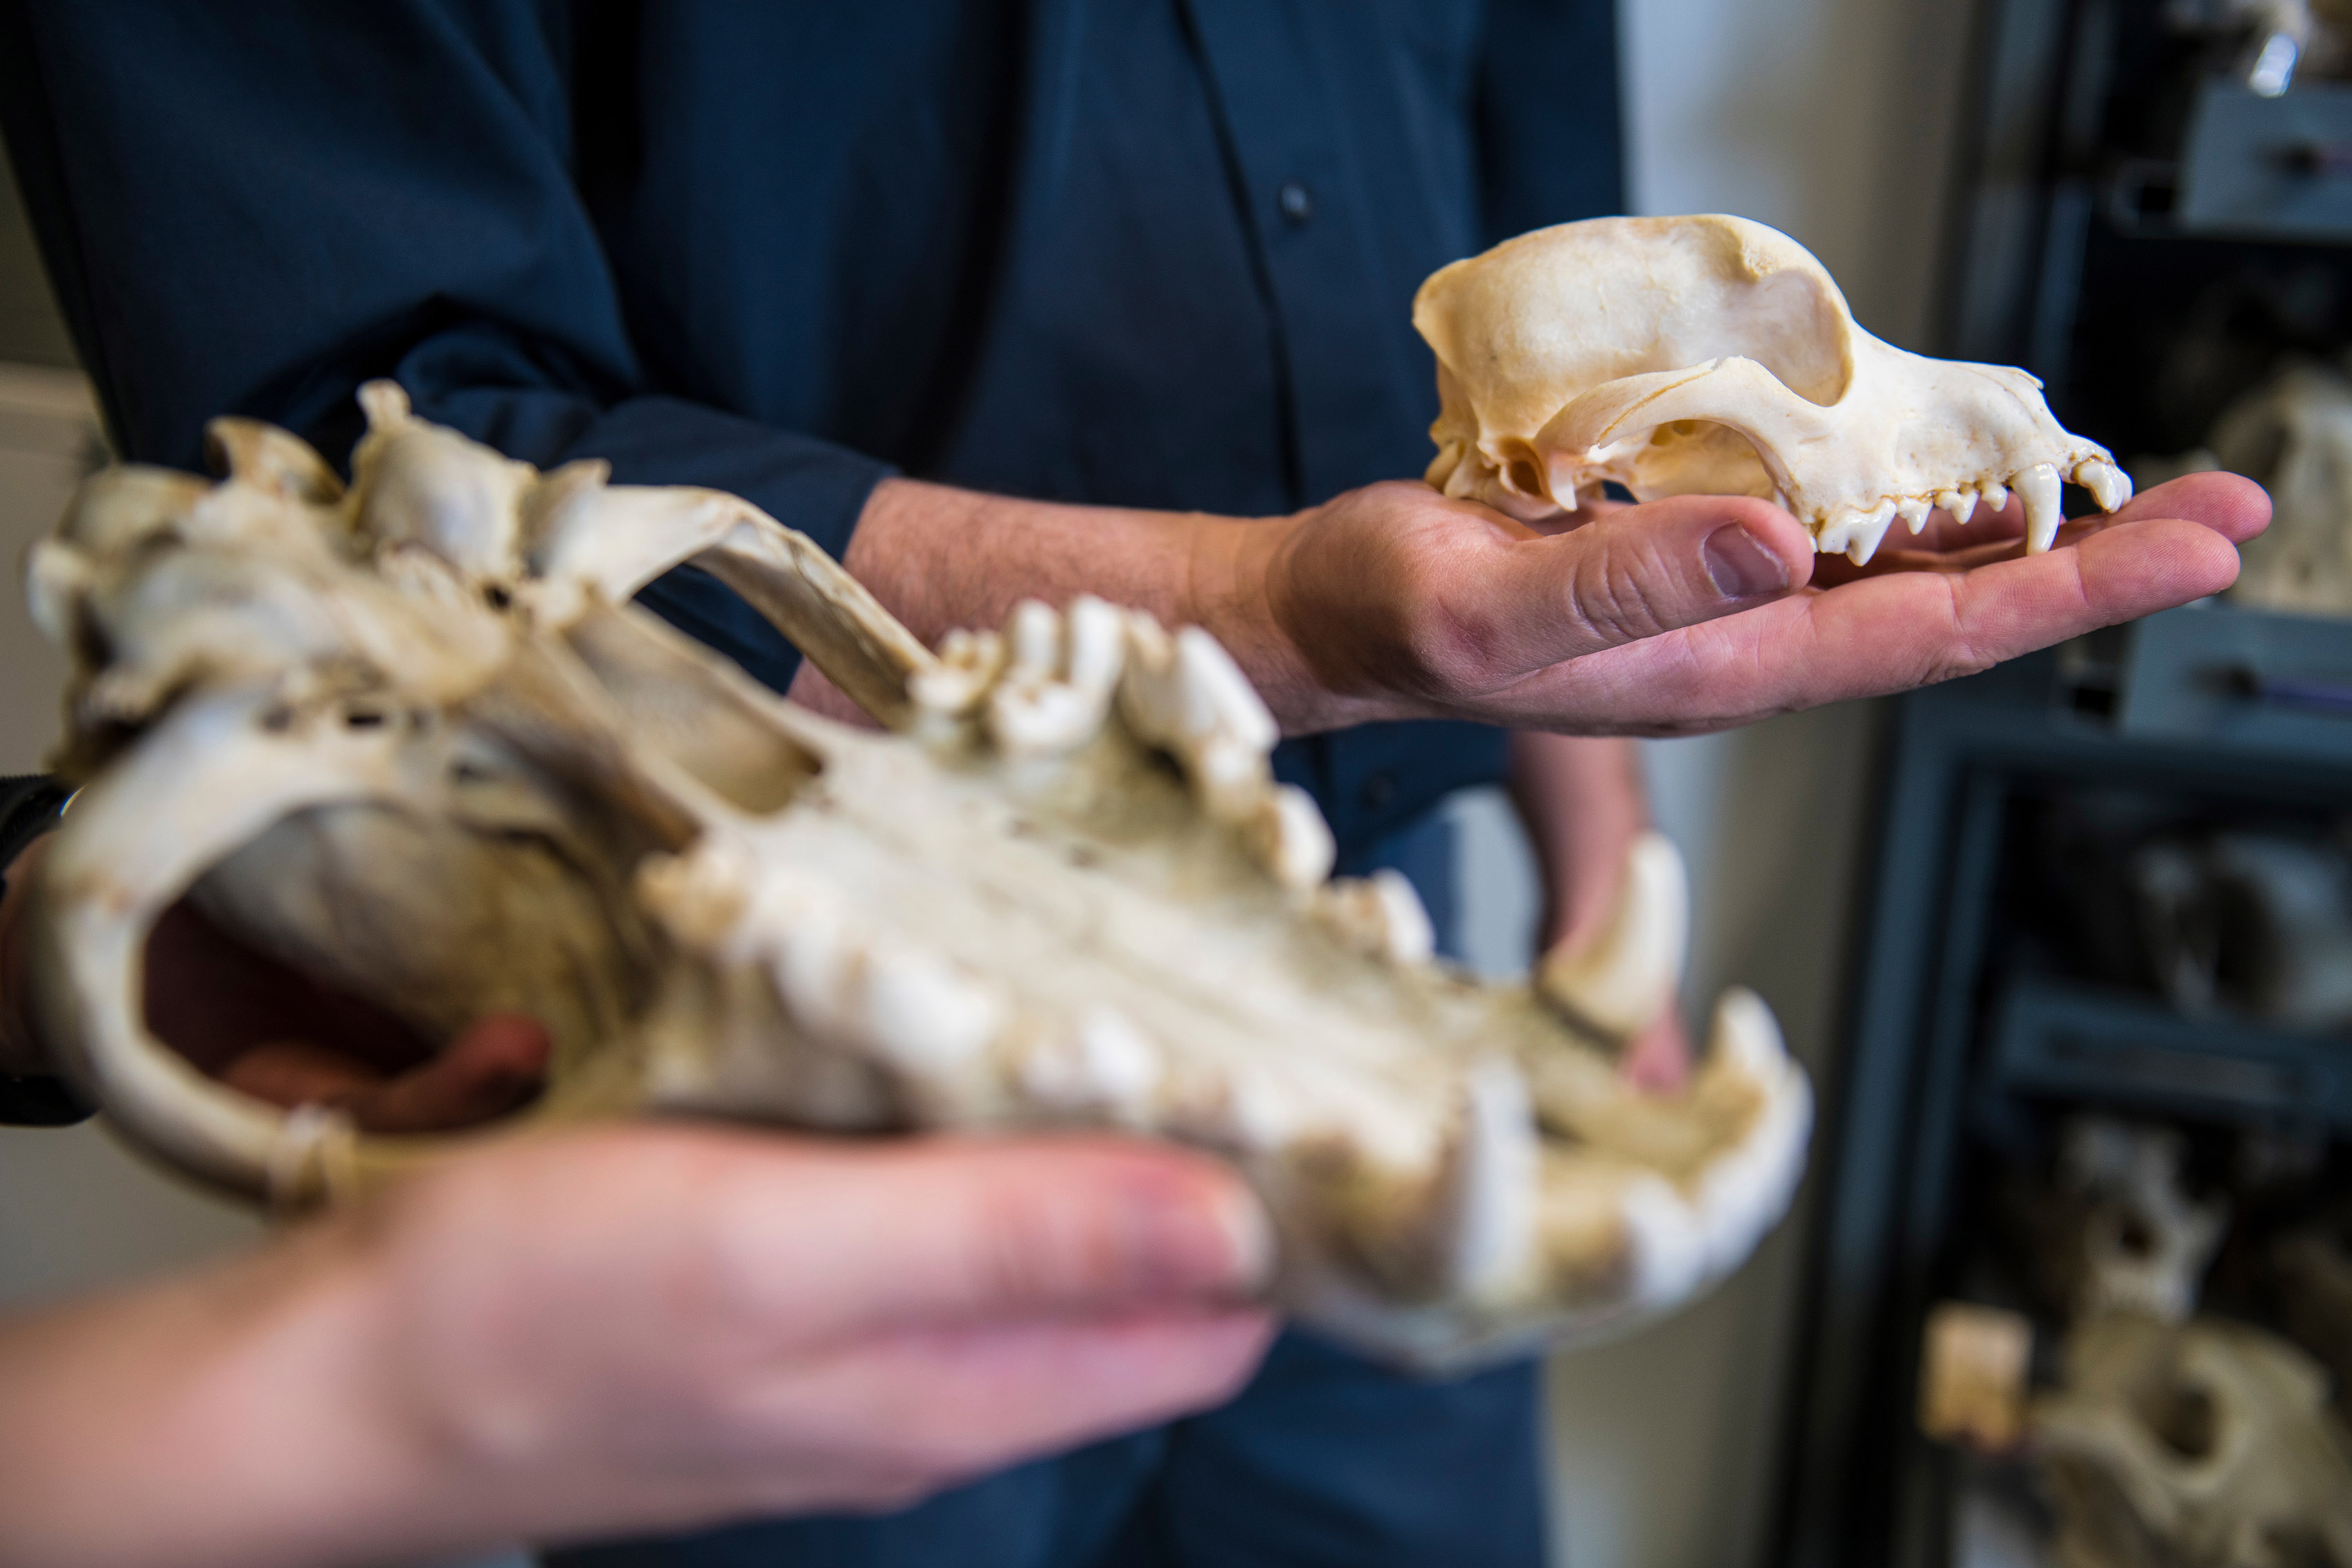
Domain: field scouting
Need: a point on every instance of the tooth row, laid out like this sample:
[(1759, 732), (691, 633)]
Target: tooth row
[(1858, 534), (1106, 1066)]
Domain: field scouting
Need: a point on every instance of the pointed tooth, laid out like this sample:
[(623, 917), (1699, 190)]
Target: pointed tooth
[(1291, 839), (1913, 512), (2108, 484), (1096, 643), (1666, 1250), (1959, 504), (1996, 495), (1624, 976), (1495, 1181), (1035, 634), (1863, 542), (1045, 719), (1832, 539), (2040, 486), (1217, 696)]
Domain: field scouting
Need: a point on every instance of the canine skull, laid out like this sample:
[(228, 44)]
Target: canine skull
[(2141, 1243), (414, 740), (2206, 1445), (1714, 356), (2295, 435)]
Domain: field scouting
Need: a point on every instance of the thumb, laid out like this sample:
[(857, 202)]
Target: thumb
[(1640, 570), (955, 1229)]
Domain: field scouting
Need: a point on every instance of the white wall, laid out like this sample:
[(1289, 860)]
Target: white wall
[(1830, 120)]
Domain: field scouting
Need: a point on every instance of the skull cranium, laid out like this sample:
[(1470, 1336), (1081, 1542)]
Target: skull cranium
[(414, 740), (1713, 355)]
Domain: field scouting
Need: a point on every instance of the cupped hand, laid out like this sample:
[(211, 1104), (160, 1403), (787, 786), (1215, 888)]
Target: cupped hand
[(1697, 612)]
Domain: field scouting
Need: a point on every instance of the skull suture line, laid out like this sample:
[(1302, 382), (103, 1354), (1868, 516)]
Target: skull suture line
[(414, 740), (1714, 356)]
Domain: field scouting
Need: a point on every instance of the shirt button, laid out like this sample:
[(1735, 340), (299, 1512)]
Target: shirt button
[(1378, 790), (1297, 202)]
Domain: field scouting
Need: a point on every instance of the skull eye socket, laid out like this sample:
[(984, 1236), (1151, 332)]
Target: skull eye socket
[(2182, 1416)]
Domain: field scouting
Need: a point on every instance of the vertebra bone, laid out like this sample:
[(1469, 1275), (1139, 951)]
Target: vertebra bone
[(1068, 893), (1714, 356)]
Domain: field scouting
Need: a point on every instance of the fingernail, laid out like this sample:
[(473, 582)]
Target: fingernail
[(1224, 1244), (1738, 566)]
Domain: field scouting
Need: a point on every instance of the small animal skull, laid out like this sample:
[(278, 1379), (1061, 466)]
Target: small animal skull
[(2141, 1243), (414, 741), (2204, 1445), (1714, 356)]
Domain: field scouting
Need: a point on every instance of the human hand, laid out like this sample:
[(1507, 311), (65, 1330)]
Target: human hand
[(1693, 613), (636, 1329)]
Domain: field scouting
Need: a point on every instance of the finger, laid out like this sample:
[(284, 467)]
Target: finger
[(948, 1403), (2233, 507), (1658, 1059), (975, 1230), (1531, 603)]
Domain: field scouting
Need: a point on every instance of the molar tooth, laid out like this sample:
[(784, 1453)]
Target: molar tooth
[(1862, 542), (2040, 486), (920, 1014), (1996, 495), (1913, 512), (1381, 914), (1044, 719), (2108, 484), (1291, 839)]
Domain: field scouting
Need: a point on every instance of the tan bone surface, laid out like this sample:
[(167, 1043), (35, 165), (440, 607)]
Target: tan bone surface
[(1713, 355), (414, 740)]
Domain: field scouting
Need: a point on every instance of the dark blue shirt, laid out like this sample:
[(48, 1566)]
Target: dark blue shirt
[(1152, 253)]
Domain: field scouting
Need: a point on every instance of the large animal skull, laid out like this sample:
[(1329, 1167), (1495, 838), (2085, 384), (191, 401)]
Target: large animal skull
[(414, 740), (2207, 1445), (1714, 356)]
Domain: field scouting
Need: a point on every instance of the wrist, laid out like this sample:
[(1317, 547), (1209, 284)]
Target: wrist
[(1245, 590), (242, 1416)]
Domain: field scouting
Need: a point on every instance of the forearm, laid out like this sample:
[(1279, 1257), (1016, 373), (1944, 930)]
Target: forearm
[(1583, 800), (941, 559)]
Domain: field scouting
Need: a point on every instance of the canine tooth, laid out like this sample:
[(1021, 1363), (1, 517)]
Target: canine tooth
[(2040, 486), (1913, 514), (1381, 914), (1624, 974), (1959, 504), (1864, 541), (1668, 1251), (2108, 484), (1996, 495), (1496, 1180), (1745, 1190), (1290, 838)]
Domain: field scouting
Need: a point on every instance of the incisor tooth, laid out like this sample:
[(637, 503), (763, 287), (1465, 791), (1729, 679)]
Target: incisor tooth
[(1959, 504), (2040, 486), (1096, 643), (1996, 495), (1217, 696), (1913, 514), (2108, 484), (1036, 637), (1381, 914)]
